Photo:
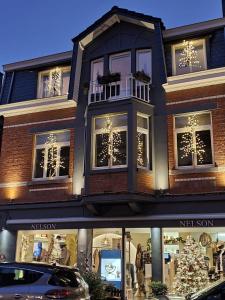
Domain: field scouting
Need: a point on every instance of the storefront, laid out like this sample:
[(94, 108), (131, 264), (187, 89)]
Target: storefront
[(149, 249)]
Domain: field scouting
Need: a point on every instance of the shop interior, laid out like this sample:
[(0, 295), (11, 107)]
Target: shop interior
[(49, 246)]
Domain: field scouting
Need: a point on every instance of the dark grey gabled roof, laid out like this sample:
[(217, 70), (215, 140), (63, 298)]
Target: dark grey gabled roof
[(39, 61), (115, 10)]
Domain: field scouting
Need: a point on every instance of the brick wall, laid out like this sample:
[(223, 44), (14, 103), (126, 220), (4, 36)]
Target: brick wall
[(199, 179), (145, 181), (108, 182), (16, 158)]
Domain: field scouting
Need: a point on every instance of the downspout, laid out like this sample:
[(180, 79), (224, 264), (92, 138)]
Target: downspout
[(10, 88), (2, 83)]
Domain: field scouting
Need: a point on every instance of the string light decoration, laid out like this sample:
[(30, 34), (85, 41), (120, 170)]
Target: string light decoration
[(191, 141), (111, 142), (54, 161), (54, 82), (189, 55), (140, 150)]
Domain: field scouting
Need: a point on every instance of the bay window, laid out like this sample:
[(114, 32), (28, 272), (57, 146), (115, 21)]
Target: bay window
[(54, 82), (52, 151), (110, 141), (193, 139), (189, 56), (142, 141)]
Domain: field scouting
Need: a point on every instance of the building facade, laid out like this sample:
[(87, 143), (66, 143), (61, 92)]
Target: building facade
[(116, 149)]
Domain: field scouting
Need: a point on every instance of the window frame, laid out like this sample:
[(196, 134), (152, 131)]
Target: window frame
[(200, 128), (60, 145), (138, 51), (177, 45), (64, 69), (145, 131), (100, 131)]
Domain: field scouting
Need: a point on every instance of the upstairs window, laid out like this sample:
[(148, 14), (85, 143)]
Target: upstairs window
[(189, 56), (110, 141), (142, 141), (193, 134), (97, 69), (54, 82), (52, 151), (144, 61)]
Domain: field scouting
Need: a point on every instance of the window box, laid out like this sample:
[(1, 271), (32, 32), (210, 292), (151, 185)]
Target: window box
[(106, 79), (142, 76)]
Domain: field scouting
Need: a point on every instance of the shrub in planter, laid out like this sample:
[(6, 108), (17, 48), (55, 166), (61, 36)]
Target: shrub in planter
[(159, 290), (106, 79), (142, 76), (96, 285)]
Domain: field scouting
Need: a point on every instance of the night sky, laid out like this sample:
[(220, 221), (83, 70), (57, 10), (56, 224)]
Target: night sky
[(32, 28)]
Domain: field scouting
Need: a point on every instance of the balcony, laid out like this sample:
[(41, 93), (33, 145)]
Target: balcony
[(127, 87)]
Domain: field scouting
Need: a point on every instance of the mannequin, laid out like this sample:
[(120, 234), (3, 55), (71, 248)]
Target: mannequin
[(65, 255), (140, 272)]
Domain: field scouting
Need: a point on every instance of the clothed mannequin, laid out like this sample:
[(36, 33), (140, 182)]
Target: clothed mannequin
[(140, 272)]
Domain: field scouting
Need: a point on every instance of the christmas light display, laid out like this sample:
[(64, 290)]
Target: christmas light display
[(54, 84), (191, 143), (192, 274), (54, 161), (111, 142), (189, 55), (140, 150)]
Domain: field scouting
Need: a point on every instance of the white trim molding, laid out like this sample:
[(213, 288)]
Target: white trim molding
[(194, 179), (195, 80), (49, 189), (37, 105)]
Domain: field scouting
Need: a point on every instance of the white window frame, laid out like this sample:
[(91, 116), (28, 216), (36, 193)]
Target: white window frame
[(199, 128), (144, 131), (46, 72), (179, 45), (137, 59), (101, 131), (101, 59), (59, 146)]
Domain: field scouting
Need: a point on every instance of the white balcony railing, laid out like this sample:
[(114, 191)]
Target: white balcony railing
[(125, 88)]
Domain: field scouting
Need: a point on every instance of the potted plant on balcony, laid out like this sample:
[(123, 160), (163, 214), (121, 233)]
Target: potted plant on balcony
[(142, 76), (159, 290), (86, 87), (109, 78)]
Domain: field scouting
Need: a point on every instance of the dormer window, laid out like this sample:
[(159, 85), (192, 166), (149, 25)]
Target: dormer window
[(189, 56), (53, 82)]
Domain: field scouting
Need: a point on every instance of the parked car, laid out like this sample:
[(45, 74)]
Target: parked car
[(215, 291), (41, 281)]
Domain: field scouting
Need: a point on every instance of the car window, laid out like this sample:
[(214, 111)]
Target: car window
[(64, 278), (14, 276)]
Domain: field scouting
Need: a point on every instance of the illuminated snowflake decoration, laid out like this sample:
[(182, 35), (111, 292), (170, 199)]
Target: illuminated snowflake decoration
[(111, 143), (140, 150), (191, 141), (55, 80), (189, 55), (54, 161)]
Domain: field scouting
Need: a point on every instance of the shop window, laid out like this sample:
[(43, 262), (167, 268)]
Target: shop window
[(193, 260), (52, 151), (138, 262), (107, 255), (110, 141), (189, 56), (193, 136), (142, 141), (53, 82), (47, 246)]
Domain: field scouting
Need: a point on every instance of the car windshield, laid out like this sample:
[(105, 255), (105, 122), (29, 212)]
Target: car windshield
[(205, 290)]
